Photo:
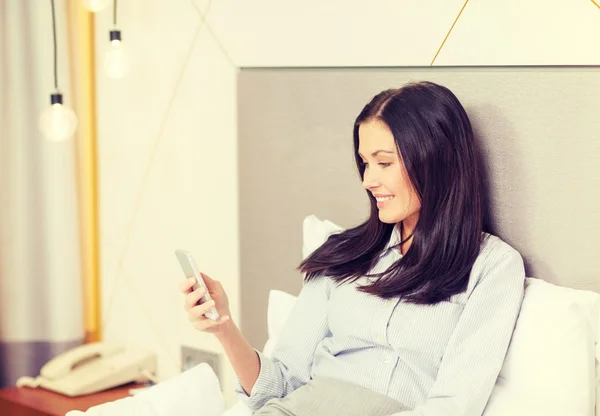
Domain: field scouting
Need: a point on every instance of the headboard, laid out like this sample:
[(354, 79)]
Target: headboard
[(538, 128)]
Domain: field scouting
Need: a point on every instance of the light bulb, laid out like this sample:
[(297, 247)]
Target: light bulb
[(57, 122), (116, 61), (95, 5)]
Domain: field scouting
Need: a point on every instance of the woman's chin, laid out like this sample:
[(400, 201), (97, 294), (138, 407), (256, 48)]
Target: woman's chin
[(387, 218)]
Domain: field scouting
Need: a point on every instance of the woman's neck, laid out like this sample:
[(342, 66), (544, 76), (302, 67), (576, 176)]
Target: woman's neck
[(407, 227)]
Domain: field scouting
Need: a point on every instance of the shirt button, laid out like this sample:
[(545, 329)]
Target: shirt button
[(379, 337)]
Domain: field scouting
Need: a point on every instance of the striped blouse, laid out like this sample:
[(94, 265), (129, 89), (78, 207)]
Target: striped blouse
[(438, 360)]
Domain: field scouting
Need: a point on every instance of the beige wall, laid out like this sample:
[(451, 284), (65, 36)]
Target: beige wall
[(167, 134)]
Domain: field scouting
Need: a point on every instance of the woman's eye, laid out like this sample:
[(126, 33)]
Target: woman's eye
[(385, 165)]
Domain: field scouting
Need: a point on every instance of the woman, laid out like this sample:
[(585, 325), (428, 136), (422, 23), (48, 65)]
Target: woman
[(411, 312)]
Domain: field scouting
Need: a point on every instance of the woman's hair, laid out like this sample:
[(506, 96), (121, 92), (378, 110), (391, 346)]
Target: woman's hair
[(435, 141)]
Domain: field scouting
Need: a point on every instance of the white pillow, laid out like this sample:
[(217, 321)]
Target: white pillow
[(195, 391), (551, 359), (278, 310), (315, 233)]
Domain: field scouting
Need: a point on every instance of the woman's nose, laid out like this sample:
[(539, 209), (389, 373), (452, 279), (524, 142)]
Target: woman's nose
[(369, 182)]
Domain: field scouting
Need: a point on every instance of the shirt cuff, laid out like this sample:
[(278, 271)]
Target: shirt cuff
[(268, 385)]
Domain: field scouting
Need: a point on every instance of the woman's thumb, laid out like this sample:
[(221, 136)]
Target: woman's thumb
[(210, 283)]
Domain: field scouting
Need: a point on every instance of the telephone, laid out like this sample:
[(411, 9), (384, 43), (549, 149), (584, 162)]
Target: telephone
[(93, 367)]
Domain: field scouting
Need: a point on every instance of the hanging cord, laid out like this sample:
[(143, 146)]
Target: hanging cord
[(115, 13), (55, 47)]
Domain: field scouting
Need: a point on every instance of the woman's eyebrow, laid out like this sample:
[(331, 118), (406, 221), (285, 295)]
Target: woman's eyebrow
[(378, 151)]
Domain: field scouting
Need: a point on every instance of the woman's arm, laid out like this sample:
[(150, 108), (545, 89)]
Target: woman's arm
[(476, 351), (259, 378), (241, 355)]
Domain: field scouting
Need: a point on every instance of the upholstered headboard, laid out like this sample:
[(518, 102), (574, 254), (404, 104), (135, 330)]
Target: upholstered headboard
[(539, 130)]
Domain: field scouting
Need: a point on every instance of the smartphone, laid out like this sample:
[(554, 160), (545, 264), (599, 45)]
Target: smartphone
[(188, 265)]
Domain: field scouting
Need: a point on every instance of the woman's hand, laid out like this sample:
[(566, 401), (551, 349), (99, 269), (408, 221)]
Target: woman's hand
[(196, 312)]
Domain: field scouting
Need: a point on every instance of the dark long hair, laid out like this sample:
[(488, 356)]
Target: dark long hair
[(435, 140)]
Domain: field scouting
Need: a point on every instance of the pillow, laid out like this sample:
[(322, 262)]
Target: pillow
[(180, 395), (315, 232), (278, 310), (551, 358)]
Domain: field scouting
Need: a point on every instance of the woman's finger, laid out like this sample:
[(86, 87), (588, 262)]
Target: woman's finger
[(198, 311), (208, 281), (185, 286), (192, 298)]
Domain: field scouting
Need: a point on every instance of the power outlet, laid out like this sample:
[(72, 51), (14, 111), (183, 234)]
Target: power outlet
[(191, 357)]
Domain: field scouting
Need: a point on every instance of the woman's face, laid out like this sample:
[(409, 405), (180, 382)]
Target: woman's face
[(385, 175)]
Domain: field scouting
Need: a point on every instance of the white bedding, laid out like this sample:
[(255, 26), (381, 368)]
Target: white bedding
[(195, 392)]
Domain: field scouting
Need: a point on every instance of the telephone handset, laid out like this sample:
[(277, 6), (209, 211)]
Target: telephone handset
[(93, 367), (61, 365)]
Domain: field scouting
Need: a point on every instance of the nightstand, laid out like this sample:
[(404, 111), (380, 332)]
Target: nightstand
[(25, 401)]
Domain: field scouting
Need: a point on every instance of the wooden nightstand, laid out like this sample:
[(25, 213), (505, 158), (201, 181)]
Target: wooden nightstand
[(25, 401)]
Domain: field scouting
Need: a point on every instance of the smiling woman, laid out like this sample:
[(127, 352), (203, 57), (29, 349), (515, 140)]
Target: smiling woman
[(417, 304), (415, 153)]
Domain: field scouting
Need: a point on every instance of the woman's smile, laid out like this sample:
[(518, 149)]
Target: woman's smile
[(382, 200)]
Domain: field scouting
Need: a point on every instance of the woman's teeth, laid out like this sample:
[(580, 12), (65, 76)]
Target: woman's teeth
[(387, 198)]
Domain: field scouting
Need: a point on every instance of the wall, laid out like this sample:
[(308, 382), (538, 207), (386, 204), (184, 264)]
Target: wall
[(167, 133)]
